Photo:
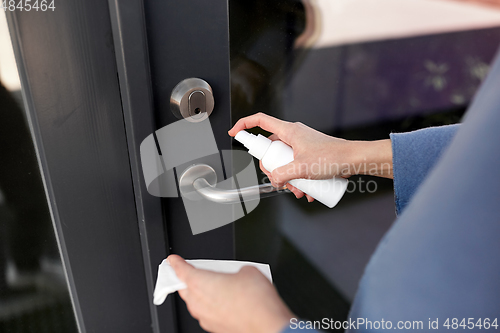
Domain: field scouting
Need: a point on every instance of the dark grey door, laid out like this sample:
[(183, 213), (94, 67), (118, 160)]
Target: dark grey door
[(191, 39)]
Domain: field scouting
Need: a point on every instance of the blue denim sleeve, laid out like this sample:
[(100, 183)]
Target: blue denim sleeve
[(413, 156)]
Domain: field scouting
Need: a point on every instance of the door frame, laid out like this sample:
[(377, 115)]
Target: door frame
[(84, 71)]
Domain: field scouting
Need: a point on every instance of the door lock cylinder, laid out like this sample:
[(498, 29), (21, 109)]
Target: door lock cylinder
[(192, 99)]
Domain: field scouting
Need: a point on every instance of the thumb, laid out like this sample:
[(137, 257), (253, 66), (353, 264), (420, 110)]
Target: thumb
[(181, 267), (292, 170)]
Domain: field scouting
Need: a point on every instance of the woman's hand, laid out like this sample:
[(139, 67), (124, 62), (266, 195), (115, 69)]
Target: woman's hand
[(317, 155), (243, 302)]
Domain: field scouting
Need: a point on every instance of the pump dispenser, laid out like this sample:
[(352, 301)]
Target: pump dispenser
[(275, 154)]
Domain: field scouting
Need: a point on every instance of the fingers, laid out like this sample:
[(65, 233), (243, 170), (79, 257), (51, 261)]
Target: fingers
[(263, 121), (249, 270), (280, 130), (309, 198), (298, 193), (182, 269), (273, 137), (184, 294), (284, 174)]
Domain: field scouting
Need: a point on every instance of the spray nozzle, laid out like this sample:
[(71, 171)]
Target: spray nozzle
[(257, 145), (244, 137)]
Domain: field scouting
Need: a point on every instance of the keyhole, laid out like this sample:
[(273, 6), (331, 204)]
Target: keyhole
[(197, 111)]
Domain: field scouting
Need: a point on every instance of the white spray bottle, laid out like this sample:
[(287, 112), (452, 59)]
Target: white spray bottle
[(275, 154)]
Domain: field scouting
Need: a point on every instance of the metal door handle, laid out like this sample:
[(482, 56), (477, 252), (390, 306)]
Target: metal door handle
[(198, 182)]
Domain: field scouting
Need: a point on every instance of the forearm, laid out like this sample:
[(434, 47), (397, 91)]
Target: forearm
[(372, 158)]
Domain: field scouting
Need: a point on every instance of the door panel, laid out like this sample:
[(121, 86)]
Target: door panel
[(191, 39)]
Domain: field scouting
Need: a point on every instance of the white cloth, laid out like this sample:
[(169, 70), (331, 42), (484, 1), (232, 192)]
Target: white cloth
[(167, 281)]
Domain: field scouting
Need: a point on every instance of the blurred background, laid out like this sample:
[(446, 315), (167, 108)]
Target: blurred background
[(356, 69)]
